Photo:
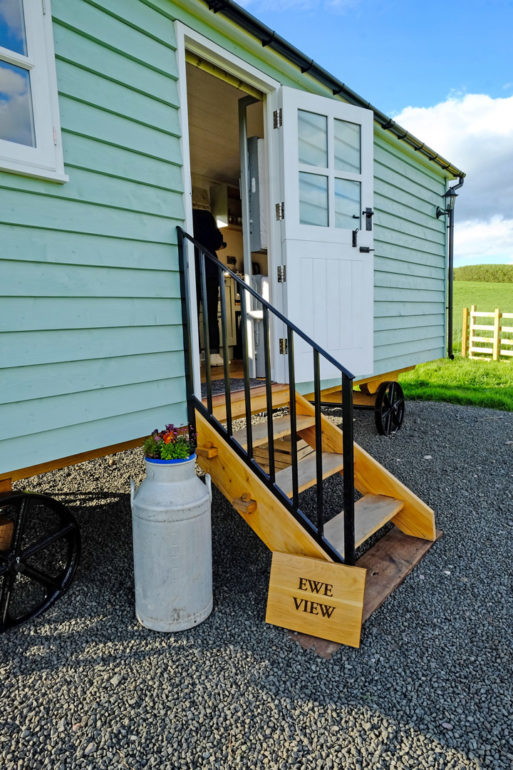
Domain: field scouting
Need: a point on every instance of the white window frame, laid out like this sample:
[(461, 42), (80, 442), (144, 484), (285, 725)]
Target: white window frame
[(45, 160)]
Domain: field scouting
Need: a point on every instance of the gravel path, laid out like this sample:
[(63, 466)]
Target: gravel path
[(431, 686)]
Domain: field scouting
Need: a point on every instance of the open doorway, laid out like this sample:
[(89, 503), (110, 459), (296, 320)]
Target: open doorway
[(228, 179)]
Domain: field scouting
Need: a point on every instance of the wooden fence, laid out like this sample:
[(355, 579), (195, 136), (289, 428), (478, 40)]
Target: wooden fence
[(486, 338)]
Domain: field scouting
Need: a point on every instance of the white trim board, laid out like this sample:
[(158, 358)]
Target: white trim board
[(189, 39)]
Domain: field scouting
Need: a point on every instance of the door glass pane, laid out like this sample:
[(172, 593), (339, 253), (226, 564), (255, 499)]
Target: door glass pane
[(347, 146), (12, 26), (313, 139), (347, 204), (313, 199), (16, 119)]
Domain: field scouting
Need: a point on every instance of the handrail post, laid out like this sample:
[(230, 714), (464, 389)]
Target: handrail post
[(293, 421), (269, 396), (226, 365), (245, 366), (318, 442), (206, 337), (348, 452), (183, 264)]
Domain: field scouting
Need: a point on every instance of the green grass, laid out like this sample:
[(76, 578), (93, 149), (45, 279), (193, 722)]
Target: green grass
[(462, 381), (467, 381)]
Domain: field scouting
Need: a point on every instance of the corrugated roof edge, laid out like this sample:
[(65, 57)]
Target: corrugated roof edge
[(270, 38)]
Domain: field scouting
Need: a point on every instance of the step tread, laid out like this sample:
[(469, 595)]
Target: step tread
[(280, 397), (281, 427), (371, 512), (307, 473)]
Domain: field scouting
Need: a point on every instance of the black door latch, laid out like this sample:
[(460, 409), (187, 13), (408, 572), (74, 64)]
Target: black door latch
[(368, 214)]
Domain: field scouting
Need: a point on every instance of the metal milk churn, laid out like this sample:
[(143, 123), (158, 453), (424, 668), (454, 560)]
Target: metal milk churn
[(172, 546)]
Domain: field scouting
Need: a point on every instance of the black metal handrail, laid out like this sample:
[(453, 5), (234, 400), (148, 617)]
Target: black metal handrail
[(269, 479)]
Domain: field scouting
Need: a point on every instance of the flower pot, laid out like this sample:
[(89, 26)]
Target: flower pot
[(172, 546)]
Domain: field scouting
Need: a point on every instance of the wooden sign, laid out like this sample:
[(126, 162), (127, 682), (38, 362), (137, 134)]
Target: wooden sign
[(316, 597)]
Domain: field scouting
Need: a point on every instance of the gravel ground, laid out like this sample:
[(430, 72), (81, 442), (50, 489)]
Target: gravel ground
[(431, 686)]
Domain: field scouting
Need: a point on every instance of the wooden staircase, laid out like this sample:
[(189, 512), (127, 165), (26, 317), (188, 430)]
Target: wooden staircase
[(383, 497), (263, 467)]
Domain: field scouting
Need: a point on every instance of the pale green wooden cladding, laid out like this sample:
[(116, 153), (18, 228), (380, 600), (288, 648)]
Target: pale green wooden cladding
[(90, 317), (90, 298), (409, 261)]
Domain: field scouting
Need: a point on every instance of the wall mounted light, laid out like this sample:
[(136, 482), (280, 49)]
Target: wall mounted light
[(450, 199)]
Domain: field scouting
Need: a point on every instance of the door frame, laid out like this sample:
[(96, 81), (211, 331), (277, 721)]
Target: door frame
[(190, 40)]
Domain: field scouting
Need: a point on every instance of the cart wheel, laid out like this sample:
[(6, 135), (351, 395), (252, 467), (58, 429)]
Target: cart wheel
[(389, 408), (39, 553)]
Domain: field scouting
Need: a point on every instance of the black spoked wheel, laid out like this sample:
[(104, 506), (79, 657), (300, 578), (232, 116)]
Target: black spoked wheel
[(39, 553), (389, 408)]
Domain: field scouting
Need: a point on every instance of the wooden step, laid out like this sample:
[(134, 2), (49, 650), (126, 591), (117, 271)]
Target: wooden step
[(371, 512), (281, 427), (388, 563), (280, 397), (282, 453), (307, 471)]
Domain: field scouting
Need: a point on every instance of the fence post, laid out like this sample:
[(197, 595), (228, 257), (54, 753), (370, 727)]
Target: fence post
[(496, 333), (464, 333), (473, 309)]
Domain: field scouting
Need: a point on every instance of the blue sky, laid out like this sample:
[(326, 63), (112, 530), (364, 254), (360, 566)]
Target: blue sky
[(444, 70)]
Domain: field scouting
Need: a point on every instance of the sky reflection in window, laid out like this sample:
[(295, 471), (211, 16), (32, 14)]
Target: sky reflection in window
[(12, 26), (16, 118)]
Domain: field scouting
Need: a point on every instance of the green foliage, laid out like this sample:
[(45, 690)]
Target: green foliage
[(151, 448), (171, 443), (179, 450), (462, 381), (486, 273)]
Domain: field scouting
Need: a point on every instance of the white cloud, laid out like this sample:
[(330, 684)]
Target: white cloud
[(478, 242), (11, 14), (16, 124), (475, 132), (11, 83)]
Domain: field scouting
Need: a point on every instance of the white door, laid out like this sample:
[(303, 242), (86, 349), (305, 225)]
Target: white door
[(326, 230)]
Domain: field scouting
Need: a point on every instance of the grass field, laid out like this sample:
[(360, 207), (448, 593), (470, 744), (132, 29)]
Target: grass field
[(487, 296), (464, 381)]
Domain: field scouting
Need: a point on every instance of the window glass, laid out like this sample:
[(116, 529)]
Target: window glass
[(313, 199), (12, 26), (16, 118), (347, 146), (313, 139), (347, 204)]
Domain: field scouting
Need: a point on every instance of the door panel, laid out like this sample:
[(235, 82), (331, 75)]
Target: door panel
[(327, 173)]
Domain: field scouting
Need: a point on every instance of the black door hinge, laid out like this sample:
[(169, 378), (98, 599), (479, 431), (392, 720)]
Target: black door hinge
[(277, 118)]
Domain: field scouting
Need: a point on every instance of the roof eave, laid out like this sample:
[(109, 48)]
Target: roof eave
[(269, 38)]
